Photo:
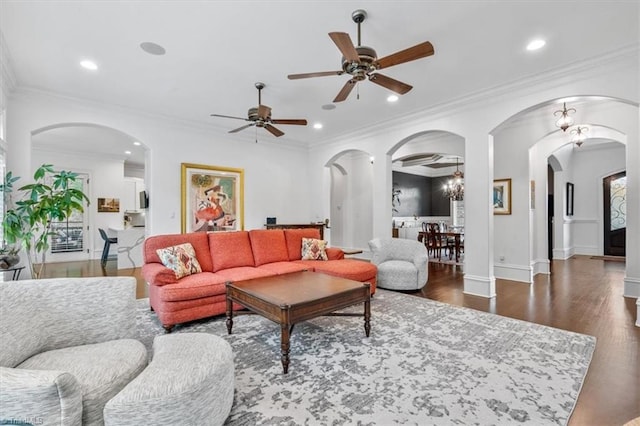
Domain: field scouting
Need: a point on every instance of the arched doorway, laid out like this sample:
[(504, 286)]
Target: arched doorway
[(104, 157)]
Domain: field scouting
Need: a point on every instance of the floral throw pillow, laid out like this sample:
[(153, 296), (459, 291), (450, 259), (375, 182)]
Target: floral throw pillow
[(313, 249), (181, 259)]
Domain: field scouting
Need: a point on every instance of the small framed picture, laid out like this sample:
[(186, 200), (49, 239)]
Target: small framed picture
[(502, 196)]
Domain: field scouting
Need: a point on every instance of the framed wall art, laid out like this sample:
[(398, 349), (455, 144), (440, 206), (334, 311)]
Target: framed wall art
[(108, 205), (212, 198), (502, 196)]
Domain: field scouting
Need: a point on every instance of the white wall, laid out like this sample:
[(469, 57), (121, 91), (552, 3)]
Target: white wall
[(276, 174), (589, 168)]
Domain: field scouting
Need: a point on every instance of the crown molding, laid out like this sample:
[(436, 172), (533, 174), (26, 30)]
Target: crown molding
[(168, 120), (551, 78)]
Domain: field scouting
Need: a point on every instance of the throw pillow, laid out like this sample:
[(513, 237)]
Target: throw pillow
[(181, 259), (313, 249)]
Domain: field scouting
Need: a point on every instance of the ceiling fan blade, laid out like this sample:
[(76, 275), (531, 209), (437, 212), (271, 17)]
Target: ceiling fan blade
[(273, 130), (346, 89), (241, 128), (264, 111), (418, 51), (314, 74), (390, 83), (344, 43), (228, 116), (301, 122)]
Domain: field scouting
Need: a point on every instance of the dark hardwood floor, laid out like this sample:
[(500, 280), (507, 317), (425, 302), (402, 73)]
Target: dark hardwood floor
[(583, 295)]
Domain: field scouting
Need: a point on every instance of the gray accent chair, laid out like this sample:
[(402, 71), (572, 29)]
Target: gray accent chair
[(402, 263), (68, 347)]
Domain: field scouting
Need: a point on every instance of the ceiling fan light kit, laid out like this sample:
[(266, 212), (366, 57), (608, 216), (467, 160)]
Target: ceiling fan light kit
[(361, 62)]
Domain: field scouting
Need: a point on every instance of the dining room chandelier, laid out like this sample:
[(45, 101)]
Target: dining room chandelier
[(454, 188), (564, 122)]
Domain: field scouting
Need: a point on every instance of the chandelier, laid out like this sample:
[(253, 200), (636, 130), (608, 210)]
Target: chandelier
[(564, 121), (454, 188), (579, 135)]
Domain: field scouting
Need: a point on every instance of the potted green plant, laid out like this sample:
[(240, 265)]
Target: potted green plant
[(27, 221)]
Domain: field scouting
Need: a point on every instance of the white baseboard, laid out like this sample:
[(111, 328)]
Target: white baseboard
[(540, 266), (480, 286), (586, 250), (512, 272), (562, 253), (638, 313), (631, 287)]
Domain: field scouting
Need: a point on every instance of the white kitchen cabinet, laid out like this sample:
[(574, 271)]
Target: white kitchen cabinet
[(131, 198)]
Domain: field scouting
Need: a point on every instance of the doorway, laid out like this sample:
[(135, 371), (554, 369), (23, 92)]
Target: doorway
[(615, 213)]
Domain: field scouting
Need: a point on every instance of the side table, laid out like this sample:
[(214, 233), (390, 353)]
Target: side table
[(16, 270)]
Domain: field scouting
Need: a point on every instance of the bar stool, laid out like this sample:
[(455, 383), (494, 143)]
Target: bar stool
[(107, 244)]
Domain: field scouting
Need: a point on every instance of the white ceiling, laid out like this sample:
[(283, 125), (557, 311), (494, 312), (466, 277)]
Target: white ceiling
[(217, 50)]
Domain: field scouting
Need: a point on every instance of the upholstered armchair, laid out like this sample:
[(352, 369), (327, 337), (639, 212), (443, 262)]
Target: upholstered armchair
[(402, 263), (67, 348)]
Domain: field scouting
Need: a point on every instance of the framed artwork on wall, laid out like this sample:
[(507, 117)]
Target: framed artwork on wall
[(569, 199), (212, 198), (108, 205), (502, 196)]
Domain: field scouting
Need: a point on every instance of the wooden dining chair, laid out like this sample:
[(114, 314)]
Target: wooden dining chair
[(435, 243)]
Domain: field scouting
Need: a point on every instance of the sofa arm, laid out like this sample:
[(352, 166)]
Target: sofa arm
[(158, 274), (334, 253), (39, 397), (41, 315)]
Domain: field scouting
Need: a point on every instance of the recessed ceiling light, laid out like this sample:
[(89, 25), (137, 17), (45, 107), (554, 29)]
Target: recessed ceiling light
[(128, 152), (536, 44), (392, 98), (136, 143), (90, 65), (317, 126), (328, 107), (152, 48)]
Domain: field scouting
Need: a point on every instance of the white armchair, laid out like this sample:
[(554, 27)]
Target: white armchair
[(402, 263), (67, 348)]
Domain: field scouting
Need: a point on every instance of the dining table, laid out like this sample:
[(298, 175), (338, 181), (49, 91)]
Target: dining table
[(457, 238)]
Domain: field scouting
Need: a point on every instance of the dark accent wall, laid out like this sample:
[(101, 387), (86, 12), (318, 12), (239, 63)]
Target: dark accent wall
[(421, 195)]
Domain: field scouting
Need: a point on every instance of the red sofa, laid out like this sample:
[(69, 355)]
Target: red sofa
[(234, 256)]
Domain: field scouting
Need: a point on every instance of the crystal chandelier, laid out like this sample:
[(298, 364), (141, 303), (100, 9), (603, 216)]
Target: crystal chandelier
[(579, 135), (564, 121), (454, 188)]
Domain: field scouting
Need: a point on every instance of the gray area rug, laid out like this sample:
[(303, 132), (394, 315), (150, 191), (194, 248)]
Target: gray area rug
[(426, 363)]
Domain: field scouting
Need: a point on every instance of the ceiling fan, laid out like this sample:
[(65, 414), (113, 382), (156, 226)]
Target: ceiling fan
[(361, 62), (260, 116)]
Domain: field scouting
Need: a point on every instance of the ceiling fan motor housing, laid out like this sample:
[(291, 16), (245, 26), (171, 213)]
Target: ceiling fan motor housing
[(366, 65), (254, 116)]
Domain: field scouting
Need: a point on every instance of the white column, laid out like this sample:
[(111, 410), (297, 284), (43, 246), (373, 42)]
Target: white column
[(479, 279)]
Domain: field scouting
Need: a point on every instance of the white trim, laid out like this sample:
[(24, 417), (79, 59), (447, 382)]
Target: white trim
[(638, 312), (512, 272), (480, 286), (631, 287)]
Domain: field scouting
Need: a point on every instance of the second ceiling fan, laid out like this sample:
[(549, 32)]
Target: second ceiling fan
[(260, 116), (361, 62)]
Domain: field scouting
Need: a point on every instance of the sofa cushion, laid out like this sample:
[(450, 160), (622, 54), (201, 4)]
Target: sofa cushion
[(230, 250), (294, 237), (352, 269), (280, 268), (120, 361), (313, 249), (244, 273), (198, 240), (181, 259), (194, 286), (268, 246)]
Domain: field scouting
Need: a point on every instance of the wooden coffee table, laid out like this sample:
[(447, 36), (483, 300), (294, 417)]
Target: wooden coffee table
[(299, 296)]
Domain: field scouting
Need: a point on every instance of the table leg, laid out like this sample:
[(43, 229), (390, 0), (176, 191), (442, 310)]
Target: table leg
[(457, 238), (284, 347), (367, 317), (229, 314)]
